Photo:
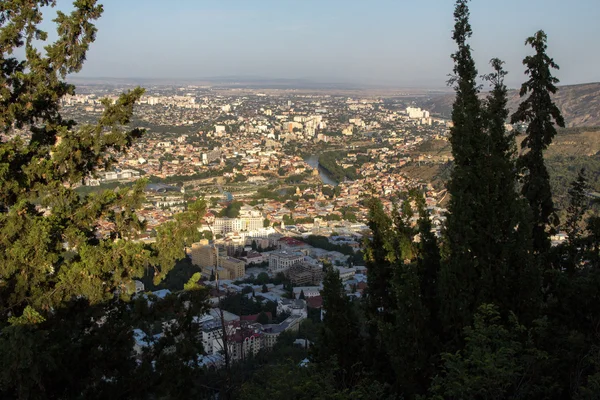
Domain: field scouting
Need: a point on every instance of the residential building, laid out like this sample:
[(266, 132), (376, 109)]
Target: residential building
[(236, 268), (203, 254), (281, 261)]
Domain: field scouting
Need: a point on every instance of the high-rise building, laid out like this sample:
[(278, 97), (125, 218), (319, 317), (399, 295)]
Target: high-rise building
[(236, 268), (203, 255)]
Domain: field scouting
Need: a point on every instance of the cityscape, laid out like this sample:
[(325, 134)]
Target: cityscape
[(285, 176), (312, 201)]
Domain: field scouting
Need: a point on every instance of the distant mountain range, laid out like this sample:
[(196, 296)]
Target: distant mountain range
[(580, 104)]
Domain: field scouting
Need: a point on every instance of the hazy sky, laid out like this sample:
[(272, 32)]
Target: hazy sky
[(396, 42)]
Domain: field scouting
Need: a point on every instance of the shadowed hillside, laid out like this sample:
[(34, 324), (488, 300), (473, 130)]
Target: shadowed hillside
[(580, 104)]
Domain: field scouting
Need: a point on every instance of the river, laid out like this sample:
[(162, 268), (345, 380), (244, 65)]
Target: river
[(313, 161)]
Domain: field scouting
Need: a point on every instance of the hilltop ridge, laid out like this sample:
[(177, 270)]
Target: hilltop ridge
[(580, 104)]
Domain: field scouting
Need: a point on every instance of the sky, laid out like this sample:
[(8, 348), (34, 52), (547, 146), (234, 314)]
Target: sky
[(394, 43)]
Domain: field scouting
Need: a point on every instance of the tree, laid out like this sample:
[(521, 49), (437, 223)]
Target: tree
[(340, 334), (578, 205), (262, 318), (486, 239), (499, 361), (541, 114), (466, 209), (58, 278), (509, 277), (266, 223), (265, 289), (380, 301), (378, 253), (302, 296), (262, 278)]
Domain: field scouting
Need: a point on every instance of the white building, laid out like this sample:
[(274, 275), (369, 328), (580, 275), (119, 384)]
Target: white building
[(416, 113), (281, 261)]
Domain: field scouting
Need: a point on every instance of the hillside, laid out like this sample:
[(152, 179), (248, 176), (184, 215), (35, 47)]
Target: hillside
[(580, 104), (571, 150)]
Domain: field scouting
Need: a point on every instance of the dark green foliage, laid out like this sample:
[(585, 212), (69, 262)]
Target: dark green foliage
[(541, 114), (378, 257), (578, 205), (175, 279), (486, 236), (66, 329), (340, 337), (466, 209), (311, 382), (323, 242), (564, 169), (262, 318), (329, 162), (380, 302), (241, 304), (232, 210), (499, 361)]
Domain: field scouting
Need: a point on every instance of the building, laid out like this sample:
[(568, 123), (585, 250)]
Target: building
[(246, 341), (236, 268), (281, 261), (139, 286), (416, 113), (295, 307), (346, 273), (309, 291), (223, 225), (271, 332), (302, 274), (203, 255), (254, 257)]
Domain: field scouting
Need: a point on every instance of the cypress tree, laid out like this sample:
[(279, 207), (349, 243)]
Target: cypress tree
[(541, 114), (466, 208), (428, 263), (380, 302), (412, 335), (487, 245), (340, 335), (378, 255), (578, 205), (509, 278)]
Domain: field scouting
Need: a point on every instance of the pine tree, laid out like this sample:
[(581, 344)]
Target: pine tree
[(541, 114)]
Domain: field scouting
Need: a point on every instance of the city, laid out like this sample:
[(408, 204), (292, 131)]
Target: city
[(273, 209), (299, 200)]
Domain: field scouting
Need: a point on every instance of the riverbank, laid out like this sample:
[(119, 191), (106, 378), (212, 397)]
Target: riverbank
[(326, 177)]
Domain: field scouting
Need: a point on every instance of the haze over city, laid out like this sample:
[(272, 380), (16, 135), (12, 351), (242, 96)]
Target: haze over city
[(398, 43)]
